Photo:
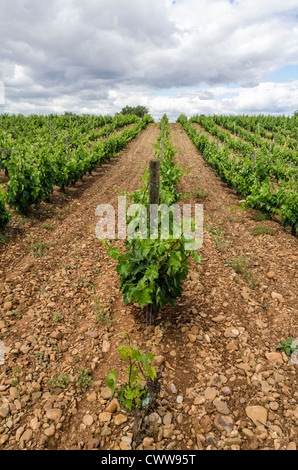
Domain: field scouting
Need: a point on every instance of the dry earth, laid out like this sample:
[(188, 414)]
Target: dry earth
[(223, 384)]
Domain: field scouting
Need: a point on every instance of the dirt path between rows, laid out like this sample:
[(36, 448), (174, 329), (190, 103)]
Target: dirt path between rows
[(215, 351)]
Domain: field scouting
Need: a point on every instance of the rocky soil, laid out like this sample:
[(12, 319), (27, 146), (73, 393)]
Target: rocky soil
[(223, 385)]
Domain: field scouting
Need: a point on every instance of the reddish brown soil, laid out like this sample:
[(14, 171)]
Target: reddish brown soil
[(219, 335)]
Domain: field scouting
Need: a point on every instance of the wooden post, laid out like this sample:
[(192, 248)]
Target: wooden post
[(154, 170), (154, 181)]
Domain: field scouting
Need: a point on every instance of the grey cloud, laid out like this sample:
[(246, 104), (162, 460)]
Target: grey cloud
[(57, 49)]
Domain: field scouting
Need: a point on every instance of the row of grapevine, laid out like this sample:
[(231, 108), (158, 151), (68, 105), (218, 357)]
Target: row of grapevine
[(55, 134), (256, 125), (152, 270), (249, 178), (284, 153), (276, 165), (35, 169)]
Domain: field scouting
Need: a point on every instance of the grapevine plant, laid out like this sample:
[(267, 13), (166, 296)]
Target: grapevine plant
[(4, 214), (152, 271), (134, 393), (252, 180), (40, 153)]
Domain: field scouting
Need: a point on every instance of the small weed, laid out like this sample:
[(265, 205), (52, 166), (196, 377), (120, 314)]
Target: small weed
[(48, 226), (40, 250), (77, 358), (90, 285), (57, 318), (4, 239), (261, 230), (201, 195), (288, 346), (17, 315), (41, 358), (220, 242), (83, 380), (102, 313), (261, 216), (95, 271), (17, 379), (241, 267), (62, 381)]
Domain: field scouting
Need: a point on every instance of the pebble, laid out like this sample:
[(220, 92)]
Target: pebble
[(106, 346), (219, 319), (120, 419), (88, 420), (256, 413), (26, 436), (49, 432), (113, 406), (92, 397), (159, 360), (274, 357), (271, 275), (125, 446), (210, 394), (167, 419), (231, 333), (247, 432), (148, 441), (7, 305), (224, 423), (106, 431), (4, 412), (54, 414), (192, 338), (279, 297), (106, 393), (105, 417), (221, 407)]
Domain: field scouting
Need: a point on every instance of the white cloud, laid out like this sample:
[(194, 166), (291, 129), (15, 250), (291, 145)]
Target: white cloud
[(74, 55)]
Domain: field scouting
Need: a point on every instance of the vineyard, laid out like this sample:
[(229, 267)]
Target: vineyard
[(145, 343)]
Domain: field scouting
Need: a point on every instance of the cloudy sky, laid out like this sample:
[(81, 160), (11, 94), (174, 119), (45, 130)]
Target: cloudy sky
[(183, 56)]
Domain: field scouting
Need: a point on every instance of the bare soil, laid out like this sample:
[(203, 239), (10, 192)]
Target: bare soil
[(215, 351)]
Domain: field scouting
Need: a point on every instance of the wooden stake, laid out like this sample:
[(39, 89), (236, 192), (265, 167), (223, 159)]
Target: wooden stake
[(154, 170)]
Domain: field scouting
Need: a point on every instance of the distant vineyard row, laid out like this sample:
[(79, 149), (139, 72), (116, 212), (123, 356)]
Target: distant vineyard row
[(40, 153), (266, 174)]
